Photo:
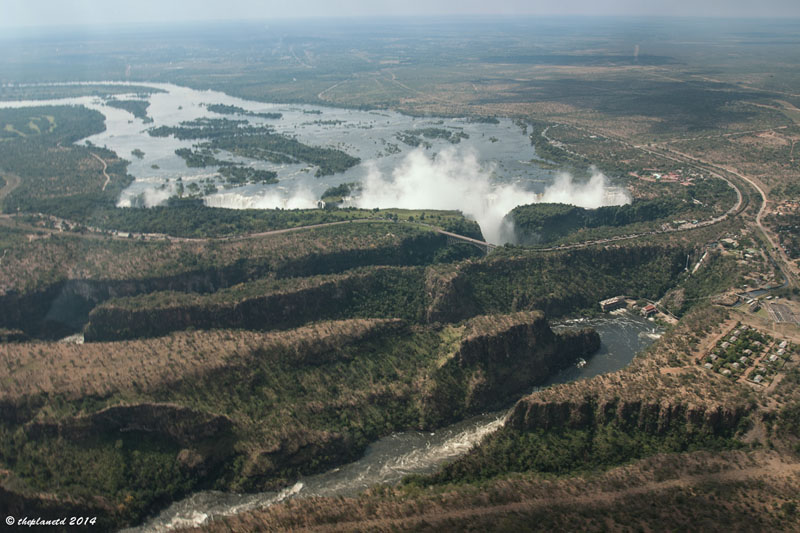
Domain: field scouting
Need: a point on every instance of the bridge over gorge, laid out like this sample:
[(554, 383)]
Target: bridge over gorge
[(454, 238)]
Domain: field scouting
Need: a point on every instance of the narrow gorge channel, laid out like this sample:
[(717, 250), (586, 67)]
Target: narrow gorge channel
[(411, 452)]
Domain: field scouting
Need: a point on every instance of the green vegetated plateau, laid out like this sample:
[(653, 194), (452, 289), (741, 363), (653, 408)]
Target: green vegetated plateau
[(266, 304), (57, 176), (557, 282), (548, 223), (657, 206), (193, 219), (545, 223)]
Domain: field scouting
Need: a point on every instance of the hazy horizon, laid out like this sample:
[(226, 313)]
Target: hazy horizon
[(31, 14)]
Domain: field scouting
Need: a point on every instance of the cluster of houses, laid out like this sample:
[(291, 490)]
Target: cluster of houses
[(747, 353)]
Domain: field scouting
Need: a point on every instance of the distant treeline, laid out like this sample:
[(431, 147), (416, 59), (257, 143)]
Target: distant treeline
[(581, 59), (224, 109)]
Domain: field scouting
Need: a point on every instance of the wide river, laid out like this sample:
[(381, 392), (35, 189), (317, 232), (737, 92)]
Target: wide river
[(491, 170), (412, 452)]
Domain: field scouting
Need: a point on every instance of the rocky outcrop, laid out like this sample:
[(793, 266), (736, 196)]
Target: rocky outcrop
[(651, 417), (499, 358)]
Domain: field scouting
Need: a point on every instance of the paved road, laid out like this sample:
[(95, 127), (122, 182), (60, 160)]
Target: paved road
[(783, 262)]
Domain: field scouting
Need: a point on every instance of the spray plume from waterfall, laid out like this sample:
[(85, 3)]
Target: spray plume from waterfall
[(301, 198), (454, 180)]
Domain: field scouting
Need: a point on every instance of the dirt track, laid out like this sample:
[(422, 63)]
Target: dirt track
[(105, 167)]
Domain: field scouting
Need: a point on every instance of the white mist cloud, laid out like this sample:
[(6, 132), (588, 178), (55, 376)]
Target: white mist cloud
[(451, 180), (270, 199), (455, 180), (591, 195), (147, 198)]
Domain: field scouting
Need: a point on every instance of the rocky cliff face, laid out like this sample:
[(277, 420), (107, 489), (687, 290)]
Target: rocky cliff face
[(62, 306), (499, 358), (377, 292), (651, 417)]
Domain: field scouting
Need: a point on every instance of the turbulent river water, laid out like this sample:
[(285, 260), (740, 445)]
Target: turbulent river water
[(491, 170), (412, 452)]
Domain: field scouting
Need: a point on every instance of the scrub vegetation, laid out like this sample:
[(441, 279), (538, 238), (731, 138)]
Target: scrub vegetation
[(237, 350)]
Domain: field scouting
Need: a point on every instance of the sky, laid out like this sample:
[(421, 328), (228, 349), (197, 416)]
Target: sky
[(34, 13)]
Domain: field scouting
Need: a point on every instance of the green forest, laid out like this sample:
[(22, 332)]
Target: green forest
[(138, 108), (224, 109), (57, 175), (546, 223)]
